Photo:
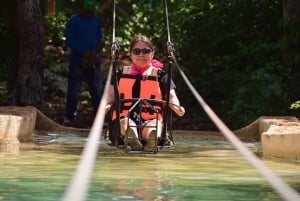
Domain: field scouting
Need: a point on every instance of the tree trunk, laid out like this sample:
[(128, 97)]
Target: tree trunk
[(291, 28), (26, 72)]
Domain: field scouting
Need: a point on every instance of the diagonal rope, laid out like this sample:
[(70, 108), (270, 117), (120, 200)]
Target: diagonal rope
[(282, 188), (80, 182), (167, 20), (78, 188)]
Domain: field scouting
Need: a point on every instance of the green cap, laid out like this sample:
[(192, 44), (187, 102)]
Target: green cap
[(89, 4)]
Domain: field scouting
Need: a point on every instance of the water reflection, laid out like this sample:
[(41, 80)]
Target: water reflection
[(195, 169)]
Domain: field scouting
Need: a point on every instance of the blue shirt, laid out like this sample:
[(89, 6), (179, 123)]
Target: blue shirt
[(82, 35)]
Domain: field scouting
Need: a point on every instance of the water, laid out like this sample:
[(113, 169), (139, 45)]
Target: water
[(195, 169)]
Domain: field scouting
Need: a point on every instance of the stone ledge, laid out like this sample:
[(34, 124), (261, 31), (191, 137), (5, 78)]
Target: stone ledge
[(280, 137), (16, 123), (21, 123)]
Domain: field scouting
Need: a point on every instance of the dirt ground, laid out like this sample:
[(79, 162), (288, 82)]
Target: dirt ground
[(55, 110)]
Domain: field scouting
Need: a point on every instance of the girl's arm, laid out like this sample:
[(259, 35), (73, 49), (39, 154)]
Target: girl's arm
[(175, 104), (110, 98)]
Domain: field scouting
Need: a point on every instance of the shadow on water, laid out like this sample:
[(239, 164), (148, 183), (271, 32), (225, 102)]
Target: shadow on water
[(196, 168)]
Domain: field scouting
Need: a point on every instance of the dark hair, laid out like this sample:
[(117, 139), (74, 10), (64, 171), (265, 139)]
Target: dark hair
[(142, 38)]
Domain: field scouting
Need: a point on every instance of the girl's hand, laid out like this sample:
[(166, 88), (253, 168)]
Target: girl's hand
[(179, 110), (107, 107)]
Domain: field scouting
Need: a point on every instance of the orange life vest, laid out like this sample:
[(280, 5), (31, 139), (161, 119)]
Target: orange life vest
[(149, 89)]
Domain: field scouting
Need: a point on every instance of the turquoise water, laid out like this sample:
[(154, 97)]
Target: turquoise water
[(195, 169)]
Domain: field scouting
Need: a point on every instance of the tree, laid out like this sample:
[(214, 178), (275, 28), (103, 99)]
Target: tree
[(26, 70), (291, 15)]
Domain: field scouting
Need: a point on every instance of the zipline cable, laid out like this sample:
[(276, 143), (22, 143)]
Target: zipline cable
[(166, 112), (282, 188), (167, 21), (78, 188)]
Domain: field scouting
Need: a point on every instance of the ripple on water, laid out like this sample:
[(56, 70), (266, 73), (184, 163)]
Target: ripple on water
[(194, 169)]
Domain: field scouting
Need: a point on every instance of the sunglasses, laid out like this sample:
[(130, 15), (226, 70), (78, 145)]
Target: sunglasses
[(137, 51)]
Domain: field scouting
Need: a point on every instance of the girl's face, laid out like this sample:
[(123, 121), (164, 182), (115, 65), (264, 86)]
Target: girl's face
[(141, 54)]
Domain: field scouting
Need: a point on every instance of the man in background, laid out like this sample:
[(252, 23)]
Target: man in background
[(84, 37)]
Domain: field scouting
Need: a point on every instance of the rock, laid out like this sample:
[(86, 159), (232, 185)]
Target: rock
[(10, 144), (20, 124), (16, 123), (281, 138)]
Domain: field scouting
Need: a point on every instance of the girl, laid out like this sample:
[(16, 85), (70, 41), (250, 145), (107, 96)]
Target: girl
[(146, 79)]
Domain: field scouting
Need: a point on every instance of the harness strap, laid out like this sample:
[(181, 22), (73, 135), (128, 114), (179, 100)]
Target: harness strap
[(143, 109), (139, 77)]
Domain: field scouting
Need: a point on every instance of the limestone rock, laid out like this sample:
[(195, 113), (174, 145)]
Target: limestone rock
[(281, 138), (17, 122)]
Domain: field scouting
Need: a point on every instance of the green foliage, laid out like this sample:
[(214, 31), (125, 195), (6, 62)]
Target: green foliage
[(8, 46), (295, 105), (231, 50), (56, 66), (7, 42), (143, 16), (56, 25), (85, 95)]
